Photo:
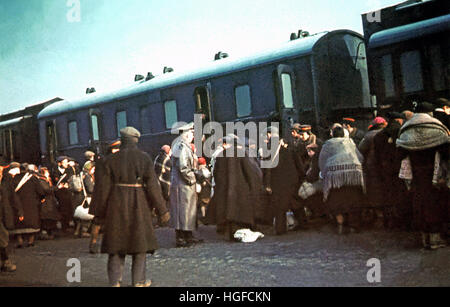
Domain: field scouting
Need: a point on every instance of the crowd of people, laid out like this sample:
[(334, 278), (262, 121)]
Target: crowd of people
[(395, 174)]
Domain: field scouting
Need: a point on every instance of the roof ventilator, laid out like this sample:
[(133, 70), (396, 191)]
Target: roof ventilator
[(90, 90), (167, 69), (220, 55)]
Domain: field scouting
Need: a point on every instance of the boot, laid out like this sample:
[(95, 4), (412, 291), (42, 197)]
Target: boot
[(76, 233), (189, 237), (93, 246), (180, 240), (425, 240), (436, 241), (8, 266)]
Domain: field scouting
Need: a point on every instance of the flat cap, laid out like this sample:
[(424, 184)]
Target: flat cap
[(130, 132)]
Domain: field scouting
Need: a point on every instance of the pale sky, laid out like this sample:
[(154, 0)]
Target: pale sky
[(49, 48)]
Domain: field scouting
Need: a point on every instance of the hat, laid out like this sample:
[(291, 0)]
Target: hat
[(425, 107), (13, 165), (442, 102), (296, 127), (185, 127), (130, 132), (61, 158), (115, 144), (305, 128), (165, 148), (89, 154), (348, 120), (201, 161), (379, 121)]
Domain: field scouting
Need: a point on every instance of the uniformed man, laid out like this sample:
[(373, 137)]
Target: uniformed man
[(183, 195), (130, 190)]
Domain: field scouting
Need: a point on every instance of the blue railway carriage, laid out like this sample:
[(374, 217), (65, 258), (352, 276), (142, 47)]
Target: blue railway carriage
[(315, 80), (408, 49)]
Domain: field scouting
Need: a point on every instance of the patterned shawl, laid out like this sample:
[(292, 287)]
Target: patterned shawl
[(340, 164)]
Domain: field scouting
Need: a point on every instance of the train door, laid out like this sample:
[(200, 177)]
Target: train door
[(95, 138), (287, 105), (202, 97), (51, 139)]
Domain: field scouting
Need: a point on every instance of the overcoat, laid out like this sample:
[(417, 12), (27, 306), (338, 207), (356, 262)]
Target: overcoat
[(374, 185), (30, 195), (183, 196), (130, 190), (237, 197)]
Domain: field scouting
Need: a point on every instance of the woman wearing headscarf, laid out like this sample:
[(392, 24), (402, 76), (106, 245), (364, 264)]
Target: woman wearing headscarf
[(49, 210), (340, 164), (425, 140), (374, 201)]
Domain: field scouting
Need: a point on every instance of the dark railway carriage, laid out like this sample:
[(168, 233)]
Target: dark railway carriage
[(19, 136), (315, 80), (408, 53)]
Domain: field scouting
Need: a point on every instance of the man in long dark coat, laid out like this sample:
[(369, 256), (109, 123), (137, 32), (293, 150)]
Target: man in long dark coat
[(282, 180), (60, 176), (236, 202), (129, 190)]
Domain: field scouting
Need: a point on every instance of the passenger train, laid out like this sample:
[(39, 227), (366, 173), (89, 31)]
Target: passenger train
[(315, 79)]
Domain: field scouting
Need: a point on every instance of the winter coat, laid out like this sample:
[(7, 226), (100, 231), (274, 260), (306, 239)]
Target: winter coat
[(284, 179), (374, 185), (183, 196), (237, 197), (129, 192), (49, 205), (30, 195), (388, 163)]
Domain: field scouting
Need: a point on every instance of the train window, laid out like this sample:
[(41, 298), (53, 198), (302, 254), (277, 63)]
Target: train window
[(170, 109), (243, 101), (73, 133), (121, 121), (437, 66), (388, 76), (94, 124), (288, 99), (145, 119), (411, 68)]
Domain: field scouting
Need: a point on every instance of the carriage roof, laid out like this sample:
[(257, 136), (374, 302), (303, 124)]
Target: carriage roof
[(224, 66)]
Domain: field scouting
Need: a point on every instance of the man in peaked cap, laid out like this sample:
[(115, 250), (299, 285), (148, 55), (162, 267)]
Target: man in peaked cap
[(130, 189)]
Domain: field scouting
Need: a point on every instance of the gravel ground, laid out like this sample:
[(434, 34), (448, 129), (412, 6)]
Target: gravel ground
[(313, 257)]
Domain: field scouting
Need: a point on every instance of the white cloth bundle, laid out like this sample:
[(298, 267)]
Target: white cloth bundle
[(247, 236)]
